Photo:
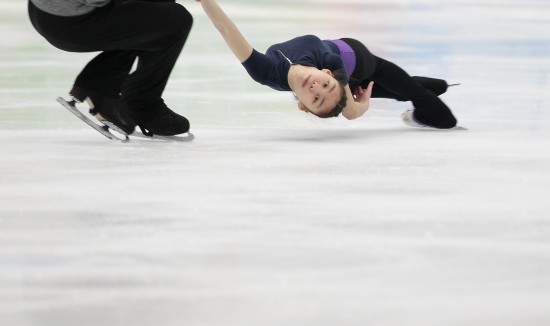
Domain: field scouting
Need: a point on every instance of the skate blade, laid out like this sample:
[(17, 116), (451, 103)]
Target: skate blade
[(101, 128), (187, 137), (114, 127)]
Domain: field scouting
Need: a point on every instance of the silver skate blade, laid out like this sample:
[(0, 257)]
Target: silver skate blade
[(187, 137), (102, 129)]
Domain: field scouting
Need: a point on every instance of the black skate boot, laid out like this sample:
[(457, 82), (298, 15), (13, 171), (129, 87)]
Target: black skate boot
[(105, 107), (160, 120)]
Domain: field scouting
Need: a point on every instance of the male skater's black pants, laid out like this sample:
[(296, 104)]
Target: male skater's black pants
[(390, 81), (151, 30)]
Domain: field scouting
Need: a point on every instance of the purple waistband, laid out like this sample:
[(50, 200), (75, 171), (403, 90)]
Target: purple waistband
[(347, 54)]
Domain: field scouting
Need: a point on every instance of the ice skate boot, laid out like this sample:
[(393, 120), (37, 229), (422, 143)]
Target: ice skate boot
[(161, 121), (106, 108), (409, 120)]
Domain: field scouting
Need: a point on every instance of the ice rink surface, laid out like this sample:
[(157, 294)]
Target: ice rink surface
[(272, 217)]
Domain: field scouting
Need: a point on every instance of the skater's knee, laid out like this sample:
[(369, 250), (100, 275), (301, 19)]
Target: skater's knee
[(184, 20), (175, 25), (436, 86), (440, 121), (447, 123)]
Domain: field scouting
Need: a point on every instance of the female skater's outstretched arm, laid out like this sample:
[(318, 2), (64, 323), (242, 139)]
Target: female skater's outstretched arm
[(229, 31)]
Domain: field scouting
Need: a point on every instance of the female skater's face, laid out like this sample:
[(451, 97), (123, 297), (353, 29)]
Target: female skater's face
[(317, 91)]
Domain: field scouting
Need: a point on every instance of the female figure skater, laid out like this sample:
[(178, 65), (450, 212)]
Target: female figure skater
[(323, 73)]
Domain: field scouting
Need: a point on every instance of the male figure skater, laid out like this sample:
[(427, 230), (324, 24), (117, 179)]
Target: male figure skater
[(153, 31)]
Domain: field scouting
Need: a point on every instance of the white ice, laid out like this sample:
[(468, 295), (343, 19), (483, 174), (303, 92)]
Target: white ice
[(273, 217)]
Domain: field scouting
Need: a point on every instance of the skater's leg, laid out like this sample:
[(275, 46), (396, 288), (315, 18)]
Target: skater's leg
[(429, 109), (167, 25), (390, 81), (115, 64), (436, 86), (154, 31)]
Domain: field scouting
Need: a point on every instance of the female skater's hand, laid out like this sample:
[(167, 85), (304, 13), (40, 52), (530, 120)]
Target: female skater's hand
[(362, 95), (360, 103)]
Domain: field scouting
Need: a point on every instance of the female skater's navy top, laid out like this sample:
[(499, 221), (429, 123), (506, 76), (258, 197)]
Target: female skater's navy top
[(271, 68)]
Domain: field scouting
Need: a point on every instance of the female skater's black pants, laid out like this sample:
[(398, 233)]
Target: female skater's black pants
[(154, 31), (390, 81)]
